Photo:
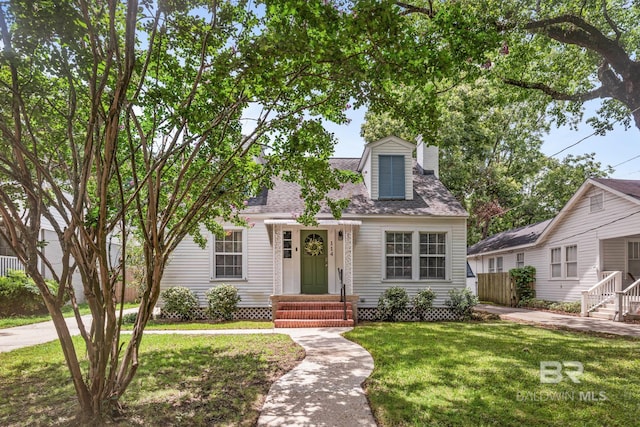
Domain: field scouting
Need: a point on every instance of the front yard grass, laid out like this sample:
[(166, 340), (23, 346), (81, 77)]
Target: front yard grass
[(488, 373), (163, 325), (10, 322), (182, 380)]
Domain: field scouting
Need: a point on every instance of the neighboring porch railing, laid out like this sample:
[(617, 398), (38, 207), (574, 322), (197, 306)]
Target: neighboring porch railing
[(9, 263), (628, 301), (603, 292)]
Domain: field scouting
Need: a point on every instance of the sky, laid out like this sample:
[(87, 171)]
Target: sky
[(615, 147)]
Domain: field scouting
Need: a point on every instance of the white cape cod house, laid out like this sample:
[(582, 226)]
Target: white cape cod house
[(401, 228), (589, 252)]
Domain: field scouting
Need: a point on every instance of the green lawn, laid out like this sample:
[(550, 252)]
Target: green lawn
[(172, 326), (10, 322), (194, 381), (480, 374)]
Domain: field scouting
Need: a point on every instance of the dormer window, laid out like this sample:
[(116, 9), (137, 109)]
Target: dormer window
[(391, 178)]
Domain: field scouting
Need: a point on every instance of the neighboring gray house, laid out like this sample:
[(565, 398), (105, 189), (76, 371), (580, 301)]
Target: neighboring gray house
[(588, 252), (401, 228)]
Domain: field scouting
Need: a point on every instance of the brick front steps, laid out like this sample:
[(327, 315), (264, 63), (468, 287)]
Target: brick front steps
[(312, 314)]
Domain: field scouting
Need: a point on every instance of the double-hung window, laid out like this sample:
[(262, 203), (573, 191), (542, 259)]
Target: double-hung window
[(556, 263), (564, 262), (391, 177), (571, 261), (433, 251), (520, 260), (398, 255), (228, 256), (492, 265), (415, 255), (499, 264)]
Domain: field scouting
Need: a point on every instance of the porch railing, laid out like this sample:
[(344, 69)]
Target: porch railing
[(628, 301), (9, 263), (601, 293)]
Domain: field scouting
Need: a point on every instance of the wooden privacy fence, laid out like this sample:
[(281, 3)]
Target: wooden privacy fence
[(498, 288)]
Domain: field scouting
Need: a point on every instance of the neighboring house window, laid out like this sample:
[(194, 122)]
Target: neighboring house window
[(520, 260), (5, 249), (492, 265), (398, 255), (556, 262), (433, 252), (286, 244), (227, 257), (391, 177), (499, 264), (571, 261), (596, 202)]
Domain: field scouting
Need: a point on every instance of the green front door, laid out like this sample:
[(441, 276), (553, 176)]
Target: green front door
[(314, 262)]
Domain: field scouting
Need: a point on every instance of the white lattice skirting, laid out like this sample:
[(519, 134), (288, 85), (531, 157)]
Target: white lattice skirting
[(364, 313), (435, 314), (243, 313)]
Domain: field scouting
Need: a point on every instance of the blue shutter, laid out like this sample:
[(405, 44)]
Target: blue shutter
[(391, 177)]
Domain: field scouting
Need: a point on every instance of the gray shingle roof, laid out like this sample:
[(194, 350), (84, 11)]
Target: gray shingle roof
[(430, 197), (509, 239), (629, 187)]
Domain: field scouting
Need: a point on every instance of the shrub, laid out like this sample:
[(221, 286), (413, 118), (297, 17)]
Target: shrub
[(392, 302), (130, 318), (461, 302), (524, 279), (223, 301), (534, 303), (567, 307), (180, 301), (422, 302), (20, 296)]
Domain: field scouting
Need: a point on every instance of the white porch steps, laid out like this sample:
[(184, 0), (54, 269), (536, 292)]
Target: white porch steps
[(605, 311)]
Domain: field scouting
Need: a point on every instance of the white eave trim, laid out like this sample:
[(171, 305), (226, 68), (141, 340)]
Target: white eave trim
[(321, 222)]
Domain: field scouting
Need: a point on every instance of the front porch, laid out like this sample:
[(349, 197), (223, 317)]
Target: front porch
[(608, 300), (9, 263)]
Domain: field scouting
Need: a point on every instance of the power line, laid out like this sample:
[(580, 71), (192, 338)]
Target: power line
[(626, 161), (589, 136), (564, 239)]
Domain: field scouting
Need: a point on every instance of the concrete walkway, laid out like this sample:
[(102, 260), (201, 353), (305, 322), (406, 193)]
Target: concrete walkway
[(585, 324), (39, 333)]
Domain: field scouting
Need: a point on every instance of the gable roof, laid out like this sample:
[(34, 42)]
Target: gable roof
[(625, 188), (533, 234), (369, 146), (516, 237), (430, 197)]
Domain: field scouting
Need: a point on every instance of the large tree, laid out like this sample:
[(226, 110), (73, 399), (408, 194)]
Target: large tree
[(126, 118), (571, 51)]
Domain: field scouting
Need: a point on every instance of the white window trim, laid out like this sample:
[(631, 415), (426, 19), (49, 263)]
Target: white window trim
[(415, 253), (491, 265), (563, 263), (245, 264), (499, 264), (517, 261)]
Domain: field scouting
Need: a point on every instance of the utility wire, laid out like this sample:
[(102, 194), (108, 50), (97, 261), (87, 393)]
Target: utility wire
[(589, 136), (626, 161)]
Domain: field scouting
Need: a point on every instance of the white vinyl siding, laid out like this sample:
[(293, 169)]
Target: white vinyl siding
[(391, 176), (390, 146)]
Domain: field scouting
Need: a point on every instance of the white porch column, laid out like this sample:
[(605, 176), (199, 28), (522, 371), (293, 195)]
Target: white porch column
[(277, 259), (347, 275)]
